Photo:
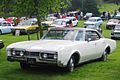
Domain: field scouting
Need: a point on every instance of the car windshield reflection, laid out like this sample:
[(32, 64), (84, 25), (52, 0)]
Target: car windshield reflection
[(61, 35)]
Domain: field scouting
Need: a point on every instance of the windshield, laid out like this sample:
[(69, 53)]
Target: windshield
[(92, 20), (59, 22), (25, 23), (61, 35), (116, 17)]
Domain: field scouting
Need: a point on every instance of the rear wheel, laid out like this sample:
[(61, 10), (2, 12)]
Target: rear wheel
[(24, 65), (105, 55)]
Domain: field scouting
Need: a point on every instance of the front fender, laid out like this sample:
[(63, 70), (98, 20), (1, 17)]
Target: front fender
[(64, 57)]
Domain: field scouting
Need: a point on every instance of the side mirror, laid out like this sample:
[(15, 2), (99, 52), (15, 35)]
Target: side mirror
[(89, 39), (67, 24)]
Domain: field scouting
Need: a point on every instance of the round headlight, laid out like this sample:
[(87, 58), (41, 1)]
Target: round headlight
[(21, 53), (44, 55), (55, 56), (13, 53)]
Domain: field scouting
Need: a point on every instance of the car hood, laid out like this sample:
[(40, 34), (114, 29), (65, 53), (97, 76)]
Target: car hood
[(54, 25), (47, 22), (113, 21), (89, 22), (25, 27), (116, 31), (37, 45)]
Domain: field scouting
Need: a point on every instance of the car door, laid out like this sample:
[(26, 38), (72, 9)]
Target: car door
[(91, 44), (86, 48), (98, 42)]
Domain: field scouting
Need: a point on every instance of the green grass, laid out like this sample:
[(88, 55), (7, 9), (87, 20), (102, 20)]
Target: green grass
[(95, 70)]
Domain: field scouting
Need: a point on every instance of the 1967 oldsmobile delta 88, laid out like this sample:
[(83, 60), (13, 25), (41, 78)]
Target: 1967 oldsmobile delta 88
[(65, 47)]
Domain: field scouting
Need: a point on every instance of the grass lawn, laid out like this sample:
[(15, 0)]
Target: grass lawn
[(95, 70)]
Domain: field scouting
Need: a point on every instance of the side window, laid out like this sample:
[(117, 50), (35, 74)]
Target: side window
[(4, 24), (92, 36), (79, 36), (8, 24)]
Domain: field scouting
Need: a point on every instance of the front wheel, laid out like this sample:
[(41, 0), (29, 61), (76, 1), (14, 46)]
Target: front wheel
[(71, 65)]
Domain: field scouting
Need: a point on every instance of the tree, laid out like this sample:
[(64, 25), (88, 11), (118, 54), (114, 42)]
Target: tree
[(38, 8), (90, 6), (7, 8)]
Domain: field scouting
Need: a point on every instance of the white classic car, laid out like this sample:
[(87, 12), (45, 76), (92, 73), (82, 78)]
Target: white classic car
[(115, 34), (97, 21), (5, 27), (48, 22), (65, 47), (62, 23), (113, 22), (74, 20)]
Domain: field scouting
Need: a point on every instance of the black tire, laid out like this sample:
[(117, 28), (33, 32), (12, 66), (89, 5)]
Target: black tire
[(24, 65), (71, 65), (113, 38), (0, 32), (104, 56)]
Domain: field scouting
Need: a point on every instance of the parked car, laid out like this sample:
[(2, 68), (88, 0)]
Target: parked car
[(1, 44), (74, 20), (48, 22), (87, 16), (64, 47), (112, 23), (73, 13), (115, 34), (5, 27), (62, 23), (93, 26), (24, 26), (97, 21)]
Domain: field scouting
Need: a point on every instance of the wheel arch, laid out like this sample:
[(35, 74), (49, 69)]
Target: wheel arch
[(76, 55), (108, 49)]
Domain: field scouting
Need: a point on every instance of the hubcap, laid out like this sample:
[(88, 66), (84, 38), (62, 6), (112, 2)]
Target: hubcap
[(71, 65), (105, 56)]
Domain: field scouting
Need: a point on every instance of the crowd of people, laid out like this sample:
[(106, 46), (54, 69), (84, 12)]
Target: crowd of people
[(108, 15)]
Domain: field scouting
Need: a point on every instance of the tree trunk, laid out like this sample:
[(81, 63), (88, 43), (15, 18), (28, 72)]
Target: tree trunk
[(39, 24)]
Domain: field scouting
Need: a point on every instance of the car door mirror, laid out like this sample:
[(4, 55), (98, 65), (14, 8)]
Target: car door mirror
[(89, 39)]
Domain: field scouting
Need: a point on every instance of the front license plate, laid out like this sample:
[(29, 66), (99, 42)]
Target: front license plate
[(17, 32), (31, 61)]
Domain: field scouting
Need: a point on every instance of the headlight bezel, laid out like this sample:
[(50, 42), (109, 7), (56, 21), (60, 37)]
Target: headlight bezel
[(48, 55), (16, 52)]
